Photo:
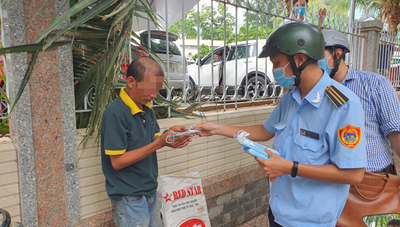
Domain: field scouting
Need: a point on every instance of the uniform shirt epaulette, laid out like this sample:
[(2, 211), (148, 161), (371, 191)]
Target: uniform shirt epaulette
[(335, 95)]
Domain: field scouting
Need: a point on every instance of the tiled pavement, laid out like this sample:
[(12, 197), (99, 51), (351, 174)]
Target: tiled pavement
[(259, 221)]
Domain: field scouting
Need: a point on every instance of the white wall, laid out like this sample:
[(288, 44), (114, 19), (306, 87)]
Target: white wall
[(208, 155)]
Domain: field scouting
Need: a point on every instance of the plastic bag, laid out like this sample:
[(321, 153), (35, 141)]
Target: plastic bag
[(183, 203), (252, 147)]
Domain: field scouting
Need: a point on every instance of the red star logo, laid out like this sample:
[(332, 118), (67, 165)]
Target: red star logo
[(167, 198)]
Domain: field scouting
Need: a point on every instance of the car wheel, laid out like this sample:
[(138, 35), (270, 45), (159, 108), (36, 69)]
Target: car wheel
[(89, 98), (252, 84), (192, 89), (3, 103)]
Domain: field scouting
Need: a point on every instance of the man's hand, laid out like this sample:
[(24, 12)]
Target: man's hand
[(178, 128), (275, 166), (206, 129), (177, 142), (322, 14)]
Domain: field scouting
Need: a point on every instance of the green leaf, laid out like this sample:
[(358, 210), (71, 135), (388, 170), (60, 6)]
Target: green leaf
[(97, 9), (28, 48), (3, 95), (4, 128), (26, 78), (72, 11)]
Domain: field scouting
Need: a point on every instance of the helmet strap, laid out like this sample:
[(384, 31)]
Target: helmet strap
[(297, 71), (337, 61)]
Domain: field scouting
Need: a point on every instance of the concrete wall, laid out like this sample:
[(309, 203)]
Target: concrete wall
[(9, 187), (240, 205), (220, 161)]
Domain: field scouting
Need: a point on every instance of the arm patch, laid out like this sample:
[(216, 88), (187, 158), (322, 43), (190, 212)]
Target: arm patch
[(335, 95)]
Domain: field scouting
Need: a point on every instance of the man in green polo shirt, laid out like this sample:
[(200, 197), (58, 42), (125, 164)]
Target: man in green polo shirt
[(130, 135)]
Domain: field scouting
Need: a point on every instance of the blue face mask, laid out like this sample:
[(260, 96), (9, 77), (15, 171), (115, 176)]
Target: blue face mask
[(302, 10), (279, 75), (323, 64)]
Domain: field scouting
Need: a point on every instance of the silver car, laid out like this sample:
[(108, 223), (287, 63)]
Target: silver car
[(173, 60)]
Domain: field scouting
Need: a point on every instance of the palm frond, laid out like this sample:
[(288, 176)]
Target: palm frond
[(100, 32), (29, 48), (76, 8), (96, 10), (26, 78)]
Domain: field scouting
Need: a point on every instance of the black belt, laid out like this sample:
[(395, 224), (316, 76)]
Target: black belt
[(388, 169)]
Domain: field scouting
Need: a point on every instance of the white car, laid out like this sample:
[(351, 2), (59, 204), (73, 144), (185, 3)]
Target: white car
[(250, 71), (178, 77)]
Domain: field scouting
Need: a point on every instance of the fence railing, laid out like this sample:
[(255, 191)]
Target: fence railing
[(238, 30), (239, 76), (388, 63)]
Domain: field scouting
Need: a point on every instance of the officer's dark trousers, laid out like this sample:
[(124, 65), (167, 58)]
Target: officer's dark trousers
[(271, 218)]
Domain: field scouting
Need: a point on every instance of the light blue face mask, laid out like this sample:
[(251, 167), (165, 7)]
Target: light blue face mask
[(279, 75), (302, 10), (323, 64)]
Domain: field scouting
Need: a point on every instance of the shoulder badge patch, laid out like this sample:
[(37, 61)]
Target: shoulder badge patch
[(335, 95), (349, 136)]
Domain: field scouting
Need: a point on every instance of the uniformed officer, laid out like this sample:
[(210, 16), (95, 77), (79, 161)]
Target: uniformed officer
[(380, 102), (318, 128)]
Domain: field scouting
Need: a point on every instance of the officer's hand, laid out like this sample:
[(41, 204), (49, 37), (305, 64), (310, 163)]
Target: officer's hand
[(206, 129), (179, 128), (275, 166)]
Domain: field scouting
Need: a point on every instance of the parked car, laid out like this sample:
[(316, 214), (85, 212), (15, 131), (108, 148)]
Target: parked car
[(178, 77), (395, 70), (158, 43), (247, 68), (190, 61)]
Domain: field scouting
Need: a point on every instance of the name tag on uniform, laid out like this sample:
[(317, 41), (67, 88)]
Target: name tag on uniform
[(310, 134)]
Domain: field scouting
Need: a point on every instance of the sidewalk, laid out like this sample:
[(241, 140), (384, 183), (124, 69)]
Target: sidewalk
[(259, 221)]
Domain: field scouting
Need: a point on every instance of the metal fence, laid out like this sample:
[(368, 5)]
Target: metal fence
[(240, 76), (389, 56)]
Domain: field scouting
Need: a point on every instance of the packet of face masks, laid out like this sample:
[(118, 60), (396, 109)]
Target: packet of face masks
[(252, 147), (190, 131)]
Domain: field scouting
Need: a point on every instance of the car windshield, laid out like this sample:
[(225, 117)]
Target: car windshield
[(160, 46), (242, 52)]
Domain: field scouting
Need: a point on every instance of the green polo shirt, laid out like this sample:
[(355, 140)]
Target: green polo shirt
[(125, 128)]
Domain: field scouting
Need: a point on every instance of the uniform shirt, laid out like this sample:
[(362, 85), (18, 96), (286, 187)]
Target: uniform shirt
[(382, 114), (125, 128), (314, 131)]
